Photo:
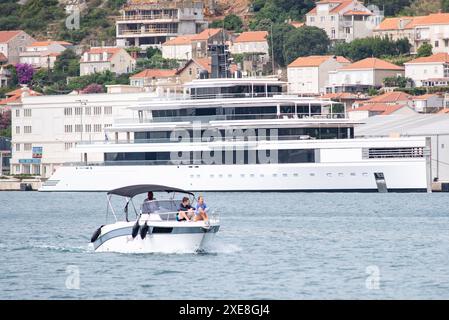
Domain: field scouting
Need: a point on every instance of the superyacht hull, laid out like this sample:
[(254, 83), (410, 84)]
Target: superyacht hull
[(399, 175)]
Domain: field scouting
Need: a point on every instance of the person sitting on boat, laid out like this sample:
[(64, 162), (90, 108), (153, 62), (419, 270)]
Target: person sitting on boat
[(149, 206), (185, 211), (201, 210)]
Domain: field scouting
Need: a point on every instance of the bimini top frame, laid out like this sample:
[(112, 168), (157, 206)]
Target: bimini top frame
[(130, 192)]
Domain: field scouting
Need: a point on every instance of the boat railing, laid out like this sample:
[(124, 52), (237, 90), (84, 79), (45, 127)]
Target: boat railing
[(230, 117), (231, 137)]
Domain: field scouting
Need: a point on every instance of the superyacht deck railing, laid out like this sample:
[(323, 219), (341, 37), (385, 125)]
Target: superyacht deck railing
[(231, 138), (225, 117)]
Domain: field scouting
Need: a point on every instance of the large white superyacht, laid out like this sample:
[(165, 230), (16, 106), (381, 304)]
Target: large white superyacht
[(244, 134)]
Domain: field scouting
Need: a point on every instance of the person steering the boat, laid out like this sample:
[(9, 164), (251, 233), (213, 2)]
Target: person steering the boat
[(185, 211), (201, 210), (149, 206)]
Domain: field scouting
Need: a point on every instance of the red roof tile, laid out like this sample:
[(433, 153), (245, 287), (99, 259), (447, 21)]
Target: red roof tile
[(315, 61), (252, 36), (5, 36), (438, 57), (206, 34), (372, 63), (155, 73), (390, 97), (180, 40)]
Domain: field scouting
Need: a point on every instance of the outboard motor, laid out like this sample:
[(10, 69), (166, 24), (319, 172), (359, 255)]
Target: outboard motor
[(135, 229), (96, 234), (144, 231)]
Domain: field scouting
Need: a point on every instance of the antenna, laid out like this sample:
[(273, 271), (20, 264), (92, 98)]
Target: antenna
[(272, 49)]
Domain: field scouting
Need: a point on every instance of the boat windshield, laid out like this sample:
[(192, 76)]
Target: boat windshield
[(160, 206)]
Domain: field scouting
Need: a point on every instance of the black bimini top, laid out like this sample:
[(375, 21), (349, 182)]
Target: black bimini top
[(132, 191)]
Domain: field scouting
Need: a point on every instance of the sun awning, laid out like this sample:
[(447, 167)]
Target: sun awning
[(132, 191)]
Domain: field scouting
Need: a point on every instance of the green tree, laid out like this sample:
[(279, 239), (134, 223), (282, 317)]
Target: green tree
[(305, 41), (399, 81), (276, 41), (424, 50), (359, 49), (445, 5), (67, 64), (231, 22)]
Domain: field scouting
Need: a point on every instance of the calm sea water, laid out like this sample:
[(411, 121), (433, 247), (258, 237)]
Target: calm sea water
[(270, 246)]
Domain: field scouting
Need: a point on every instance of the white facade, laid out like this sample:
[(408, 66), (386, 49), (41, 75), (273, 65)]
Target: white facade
[(421, 73), (151, 24), (58, 123), (177, 51), (42, 56), (311, 79), (344, 20), (428, 103), (250, 47), (98, 60)]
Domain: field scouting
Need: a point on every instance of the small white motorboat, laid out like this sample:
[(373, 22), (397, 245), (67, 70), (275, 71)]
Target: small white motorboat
[(155, 228)]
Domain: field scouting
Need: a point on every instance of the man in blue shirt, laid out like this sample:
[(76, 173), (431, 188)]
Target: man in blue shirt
[(201, 210)]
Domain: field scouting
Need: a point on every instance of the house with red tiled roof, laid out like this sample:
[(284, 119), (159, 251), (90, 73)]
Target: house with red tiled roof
[(15, 96), (349, 99), (344, 20), (362, 75), (429, 71), (186, 47), (391, 98), (100, 59), (201, 41), (43, 54), (428, 103), (251, 42), (253, 46), (433, 29), (179, 48), (376, 109), (12, 43), (154, 77), (310, 75)]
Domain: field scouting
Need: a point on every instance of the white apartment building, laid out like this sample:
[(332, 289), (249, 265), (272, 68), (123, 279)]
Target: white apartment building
[(362, 75), (432, 29), (148, 23), (46, 128), (100, 59), (310, 75), (43, 54), (429, 71), (344, 20)]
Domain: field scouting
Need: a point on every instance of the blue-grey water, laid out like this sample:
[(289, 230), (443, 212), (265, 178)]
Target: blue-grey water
[(270, 246)]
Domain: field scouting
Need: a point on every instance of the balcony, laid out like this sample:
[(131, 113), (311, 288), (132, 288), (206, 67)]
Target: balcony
[(148, 31), (152, 17)]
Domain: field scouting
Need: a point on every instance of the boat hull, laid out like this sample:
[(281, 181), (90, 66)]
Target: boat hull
[(184, 239), (405, 175)]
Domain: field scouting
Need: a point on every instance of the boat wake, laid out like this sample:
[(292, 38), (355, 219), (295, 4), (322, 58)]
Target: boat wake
[(221, 247)]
